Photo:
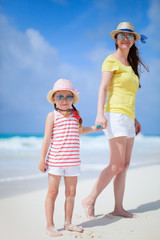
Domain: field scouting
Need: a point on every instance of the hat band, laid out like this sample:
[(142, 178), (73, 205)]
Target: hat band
[(126, 29), (143, 37)]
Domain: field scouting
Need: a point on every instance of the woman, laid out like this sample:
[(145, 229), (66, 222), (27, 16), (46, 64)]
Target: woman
[(120, 81)]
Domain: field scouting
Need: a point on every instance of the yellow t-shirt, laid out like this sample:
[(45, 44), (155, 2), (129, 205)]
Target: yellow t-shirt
[(122, 89)]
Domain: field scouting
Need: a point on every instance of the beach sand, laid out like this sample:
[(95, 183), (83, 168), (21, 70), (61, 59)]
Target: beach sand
[(22, 217)]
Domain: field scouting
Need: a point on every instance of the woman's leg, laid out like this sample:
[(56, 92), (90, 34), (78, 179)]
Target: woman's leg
[(117, 158), (70, 192), (119, 182), (49, 204)]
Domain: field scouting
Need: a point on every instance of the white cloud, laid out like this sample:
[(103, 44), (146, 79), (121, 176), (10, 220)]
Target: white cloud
[(148, 98), (152, 31), (30, 66), (27, 62), (154, 11), (98, 55)]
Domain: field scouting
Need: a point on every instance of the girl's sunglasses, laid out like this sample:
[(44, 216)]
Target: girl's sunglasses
[(68, 98), (130, 36)]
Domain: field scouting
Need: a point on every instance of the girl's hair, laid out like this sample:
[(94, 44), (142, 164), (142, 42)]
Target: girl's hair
[(135, 61), (74, 108), (79, 120)]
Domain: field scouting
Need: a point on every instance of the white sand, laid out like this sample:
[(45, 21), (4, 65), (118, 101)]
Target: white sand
[(22, 217)]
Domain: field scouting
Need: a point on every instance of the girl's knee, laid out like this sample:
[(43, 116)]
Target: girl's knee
[(71, 193), (52, 194)]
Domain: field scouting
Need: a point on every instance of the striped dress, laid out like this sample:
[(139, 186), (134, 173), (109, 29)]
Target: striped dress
[(64, 147)]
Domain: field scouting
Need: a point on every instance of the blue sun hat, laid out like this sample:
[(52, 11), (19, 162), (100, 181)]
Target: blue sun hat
[(129, 28)]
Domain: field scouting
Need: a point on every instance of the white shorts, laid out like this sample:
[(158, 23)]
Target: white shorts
[(119, 125), (64, 171)]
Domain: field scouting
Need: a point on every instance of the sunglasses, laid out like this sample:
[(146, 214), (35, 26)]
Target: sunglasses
[(130, 36), (68, 98)]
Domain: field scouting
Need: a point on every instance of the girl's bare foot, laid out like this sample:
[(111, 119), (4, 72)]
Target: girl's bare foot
[(74, 228), (52, 232), (123, 213), (89, 210)]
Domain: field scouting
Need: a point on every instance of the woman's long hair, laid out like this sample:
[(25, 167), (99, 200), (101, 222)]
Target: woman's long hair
[(135, 61)]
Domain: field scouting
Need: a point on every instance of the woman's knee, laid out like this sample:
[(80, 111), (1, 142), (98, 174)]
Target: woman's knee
[(126, 166), (117, 168)]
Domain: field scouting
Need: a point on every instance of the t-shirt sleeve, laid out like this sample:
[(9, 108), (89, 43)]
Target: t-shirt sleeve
[(109, 65)]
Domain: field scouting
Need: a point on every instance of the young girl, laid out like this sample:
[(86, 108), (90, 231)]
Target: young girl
[(60, 151)]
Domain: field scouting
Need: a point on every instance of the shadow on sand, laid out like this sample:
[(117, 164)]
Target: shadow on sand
[(103, 220)]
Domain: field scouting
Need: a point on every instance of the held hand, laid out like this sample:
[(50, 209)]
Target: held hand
[(137, 127), (42, 167), (101, 122), (97, 127)]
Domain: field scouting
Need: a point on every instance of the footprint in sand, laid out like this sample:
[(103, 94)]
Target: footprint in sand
[(86, 235), (78, 216)]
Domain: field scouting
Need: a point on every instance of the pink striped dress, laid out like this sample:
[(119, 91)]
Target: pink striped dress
[(64, 147)]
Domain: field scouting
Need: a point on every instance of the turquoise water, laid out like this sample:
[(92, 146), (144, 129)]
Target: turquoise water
[(20, 135)]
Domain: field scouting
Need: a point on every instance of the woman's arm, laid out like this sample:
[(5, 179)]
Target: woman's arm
[(105, 81), (46, 141), (100, 120), (137, 127)]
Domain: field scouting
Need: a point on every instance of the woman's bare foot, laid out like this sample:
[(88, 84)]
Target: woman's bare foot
[(123, 213), (74, 228), (52, 232), (89, 210)]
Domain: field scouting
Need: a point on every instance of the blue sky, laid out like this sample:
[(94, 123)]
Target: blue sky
[(44, 40)]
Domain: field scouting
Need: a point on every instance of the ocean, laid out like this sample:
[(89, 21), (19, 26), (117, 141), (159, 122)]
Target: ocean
[(19, 159)]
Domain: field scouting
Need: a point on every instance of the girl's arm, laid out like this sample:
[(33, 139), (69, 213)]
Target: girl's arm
[(105, 81), (86, 130), (46, 141)]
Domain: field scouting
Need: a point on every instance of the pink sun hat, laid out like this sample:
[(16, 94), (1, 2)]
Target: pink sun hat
[(63, 84)]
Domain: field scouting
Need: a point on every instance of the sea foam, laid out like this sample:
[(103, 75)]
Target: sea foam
[(87, 143), (22, 155)]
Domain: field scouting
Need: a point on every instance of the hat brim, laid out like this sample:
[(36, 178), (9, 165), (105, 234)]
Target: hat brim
[(113, 34), (51, 92)]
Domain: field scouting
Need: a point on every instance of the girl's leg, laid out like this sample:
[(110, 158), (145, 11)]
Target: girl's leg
[(117, 158), (119, 183), (49, 204), (70, 192)]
